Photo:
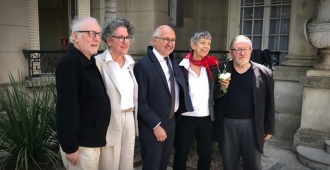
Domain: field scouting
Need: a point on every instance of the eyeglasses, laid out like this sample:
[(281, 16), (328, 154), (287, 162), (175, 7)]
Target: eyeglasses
[(240, 50), (122, 38), (166, 40), (92, 34)]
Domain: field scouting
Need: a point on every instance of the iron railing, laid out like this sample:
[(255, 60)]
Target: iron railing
[(44, 62)]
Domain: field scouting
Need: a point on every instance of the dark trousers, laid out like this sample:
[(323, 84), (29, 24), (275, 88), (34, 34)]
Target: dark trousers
[(238, 139), (155, 154), (189, 127)]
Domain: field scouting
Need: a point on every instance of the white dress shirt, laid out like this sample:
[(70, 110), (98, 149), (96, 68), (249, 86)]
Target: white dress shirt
[(125, 81), (163, 64), (198, 90)]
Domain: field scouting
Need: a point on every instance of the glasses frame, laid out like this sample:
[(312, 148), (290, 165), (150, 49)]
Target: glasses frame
[(241, 50), (91, 33), (166, 40), (122, 38)]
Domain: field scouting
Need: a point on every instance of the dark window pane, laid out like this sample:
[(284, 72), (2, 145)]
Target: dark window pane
[(273, 43), (274, 26), (248, 13), (248, 1), (259, 1), (285, 12), (276, 1), (285, 25), (247, 27), (258, 13), (275, 12), (257, 28), (256, 42), (284, 43)]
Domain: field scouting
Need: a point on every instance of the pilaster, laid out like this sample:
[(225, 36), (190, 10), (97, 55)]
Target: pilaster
[(301, 57)]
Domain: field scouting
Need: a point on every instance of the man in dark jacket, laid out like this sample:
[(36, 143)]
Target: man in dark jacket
[(83, 107), (246, 114), (162, 91)]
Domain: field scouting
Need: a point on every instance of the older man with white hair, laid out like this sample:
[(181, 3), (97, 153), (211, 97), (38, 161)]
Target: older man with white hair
[(83, 106)]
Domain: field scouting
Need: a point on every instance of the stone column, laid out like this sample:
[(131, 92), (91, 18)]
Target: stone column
[(110, 9), (315, 118), (146, 15), (301, 57)]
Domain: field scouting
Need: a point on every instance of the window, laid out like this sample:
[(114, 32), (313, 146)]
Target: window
[(72, 11), (267, 23)]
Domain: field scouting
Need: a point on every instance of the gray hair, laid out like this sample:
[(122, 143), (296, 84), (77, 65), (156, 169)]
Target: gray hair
[(111, 25), (77, 23), (240, 38), (198, 35), (157, 30)]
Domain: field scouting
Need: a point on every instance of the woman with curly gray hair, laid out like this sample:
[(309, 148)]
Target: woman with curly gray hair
[(116, 68)]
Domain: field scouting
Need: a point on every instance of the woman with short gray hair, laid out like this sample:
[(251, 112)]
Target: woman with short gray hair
[(116, 69), (201, 71)]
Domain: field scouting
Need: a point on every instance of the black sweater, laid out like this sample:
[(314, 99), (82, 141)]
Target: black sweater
[(83, 107)]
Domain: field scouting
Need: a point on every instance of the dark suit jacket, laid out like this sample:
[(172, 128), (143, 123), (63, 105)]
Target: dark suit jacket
[(263, 98), (154, 95)]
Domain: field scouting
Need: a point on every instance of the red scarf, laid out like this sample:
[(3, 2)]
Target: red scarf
[(208, 62)]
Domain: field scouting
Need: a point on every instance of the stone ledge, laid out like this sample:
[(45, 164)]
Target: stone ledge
[(327, 146), (40, 81), (313, 158), (310, 137), (315, 82), (289, 73)]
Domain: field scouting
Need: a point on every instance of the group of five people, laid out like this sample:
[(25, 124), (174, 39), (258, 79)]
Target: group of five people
[(105, 101)]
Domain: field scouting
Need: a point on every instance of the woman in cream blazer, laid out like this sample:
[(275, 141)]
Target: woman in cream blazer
[(116, 68)]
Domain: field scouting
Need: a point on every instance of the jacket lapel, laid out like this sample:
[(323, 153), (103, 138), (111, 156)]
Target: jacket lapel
[(110, 72), (158, 69)]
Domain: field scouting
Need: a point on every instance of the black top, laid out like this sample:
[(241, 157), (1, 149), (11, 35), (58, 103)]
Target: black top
[(83, 107), (263, 102), (239, 104)]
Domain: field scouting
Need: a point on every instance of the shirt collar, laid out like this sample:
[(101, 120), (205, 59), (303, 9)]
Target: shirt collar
[(185, 63), (128, 60), (158, 56)]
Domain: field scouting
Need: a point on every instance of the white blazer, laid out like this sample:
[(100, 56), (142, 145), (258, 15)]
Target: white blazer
[(111, 85)]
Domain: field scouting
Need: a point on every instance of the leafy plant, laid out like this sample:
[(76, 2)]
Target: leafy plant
[(27, 125)]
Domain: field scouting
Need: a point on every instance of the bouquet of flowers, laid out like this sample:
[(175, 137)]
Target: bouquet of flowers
[(223, 76)]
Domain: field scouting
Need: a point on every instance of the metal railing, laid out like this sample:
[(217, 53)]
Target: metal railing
[(44, 62)]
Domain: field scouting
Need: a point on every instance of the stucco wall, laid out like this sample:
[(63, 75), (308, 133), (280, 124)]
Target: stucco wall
[(146, 15), (14, 30), (209, 15)]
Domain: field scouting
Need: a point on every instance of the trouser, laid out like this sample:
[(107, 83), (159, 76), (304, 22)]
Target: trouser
[(156, 154), (238, 139), (89, 159), (121, 155), (200, 128)]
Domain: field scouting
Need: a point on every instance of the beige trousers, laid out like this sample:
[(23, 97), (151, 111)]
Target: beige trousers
[(89, 159), (120, 156)]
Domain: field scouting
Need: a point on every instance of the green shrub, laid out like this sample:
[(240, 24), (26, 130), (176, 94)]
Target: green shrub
[(27, 126)]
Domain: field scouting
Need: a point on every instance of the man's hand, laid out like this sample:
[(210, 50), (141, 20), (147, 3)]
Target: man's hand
[(160, 133), (73, 158), (225, 83), (267, 136)]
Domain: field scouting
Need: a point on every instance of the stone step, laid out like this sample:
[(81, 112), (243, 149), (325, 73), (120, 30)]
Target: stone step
[(314, 158), (327, 146)]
